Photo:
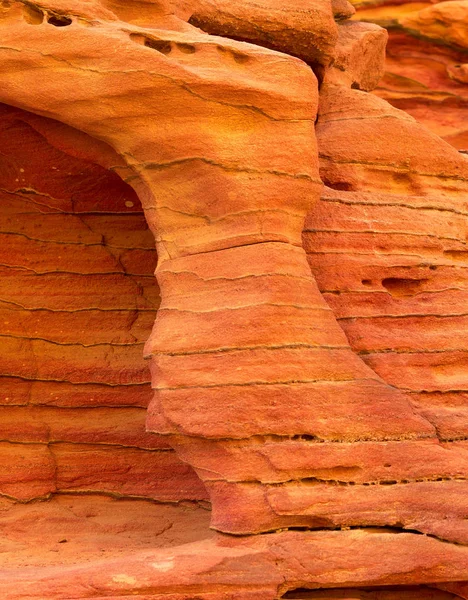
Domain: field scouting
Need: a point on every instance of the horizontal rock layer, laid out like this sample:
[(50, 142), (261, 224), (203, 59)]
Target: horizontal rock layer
[(78, 300), (264, 567), (333, 439)]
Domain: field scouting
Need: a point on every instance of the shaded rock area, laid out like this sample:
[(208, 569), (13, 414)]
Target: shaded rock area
[(78, 301)]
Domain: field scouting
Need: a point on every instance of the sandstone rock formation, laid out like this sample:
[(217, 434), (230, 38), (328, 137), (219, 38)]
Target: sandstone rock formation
[(78, 302), (277, 377), (270, 24), (426, 66)]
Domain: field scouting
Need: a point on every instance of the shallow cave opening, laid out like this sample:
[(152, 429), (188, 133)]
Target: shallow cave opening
[(78, 300)]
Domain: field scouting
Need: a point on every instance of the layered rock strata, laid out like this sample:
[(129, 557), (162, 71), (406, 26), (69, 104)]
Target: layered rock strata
[(404, 266), (264, 567), (426, 66), (77, 303)]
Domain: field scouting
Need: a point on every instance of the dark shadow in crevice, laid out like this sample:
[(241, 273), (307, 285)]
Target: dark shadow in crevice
[(59, 21), (397, 592)]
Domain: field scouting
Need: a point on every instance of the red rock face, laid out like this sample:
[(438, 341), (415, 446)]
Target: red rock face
[(78, 302), (400, 267), (383, 593)]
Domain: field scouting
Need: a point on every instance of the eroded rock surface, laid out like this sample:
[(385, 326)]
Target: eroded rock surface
[(304, 29), (78, 301), (426, 66)]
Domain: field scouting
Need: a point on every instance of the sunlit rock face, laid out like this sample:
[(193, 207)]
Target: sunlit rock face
[(426, 71), (307, 355)]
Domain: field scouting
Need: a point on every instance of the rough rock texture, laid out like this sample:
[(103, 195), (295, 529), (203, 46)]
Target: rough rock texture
[(401, 296), (374, 593), (427, 58), (69, 529), (289, 423), (77, 303), (359, 56), (217, 566), (271, 24)]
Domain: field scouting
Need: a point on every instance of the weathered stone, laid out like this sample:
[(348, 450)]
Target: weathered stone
[(327, 410), (359, 462), (375, 593), (63, 327), (125, 472), (424, 70), (69, 528), (28, 471), (444, 21), (372, 163), (254, 568), (359, 56), (435, 508), (119, 427), (306, 30)]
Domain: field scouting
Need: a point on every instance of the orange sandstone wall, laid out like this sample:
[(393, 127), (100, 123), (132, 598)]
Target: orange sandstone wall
[(78, 300), (427, 62)]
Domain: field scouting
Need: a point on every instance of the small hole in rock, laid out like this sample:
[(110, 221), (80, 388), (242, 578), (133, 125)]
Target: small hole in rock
[(304, 438), (355, 86), (59, 21), (237, 56), (366, 282), (240, 58), (341, 186), (33, 15), (403, 287), (186, 48), (400, 177), (160, 45), (433, 268)]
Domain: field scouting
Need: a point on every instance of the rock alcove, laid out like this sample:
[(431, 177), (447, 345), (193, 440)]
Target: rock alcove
[(79, 300)]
